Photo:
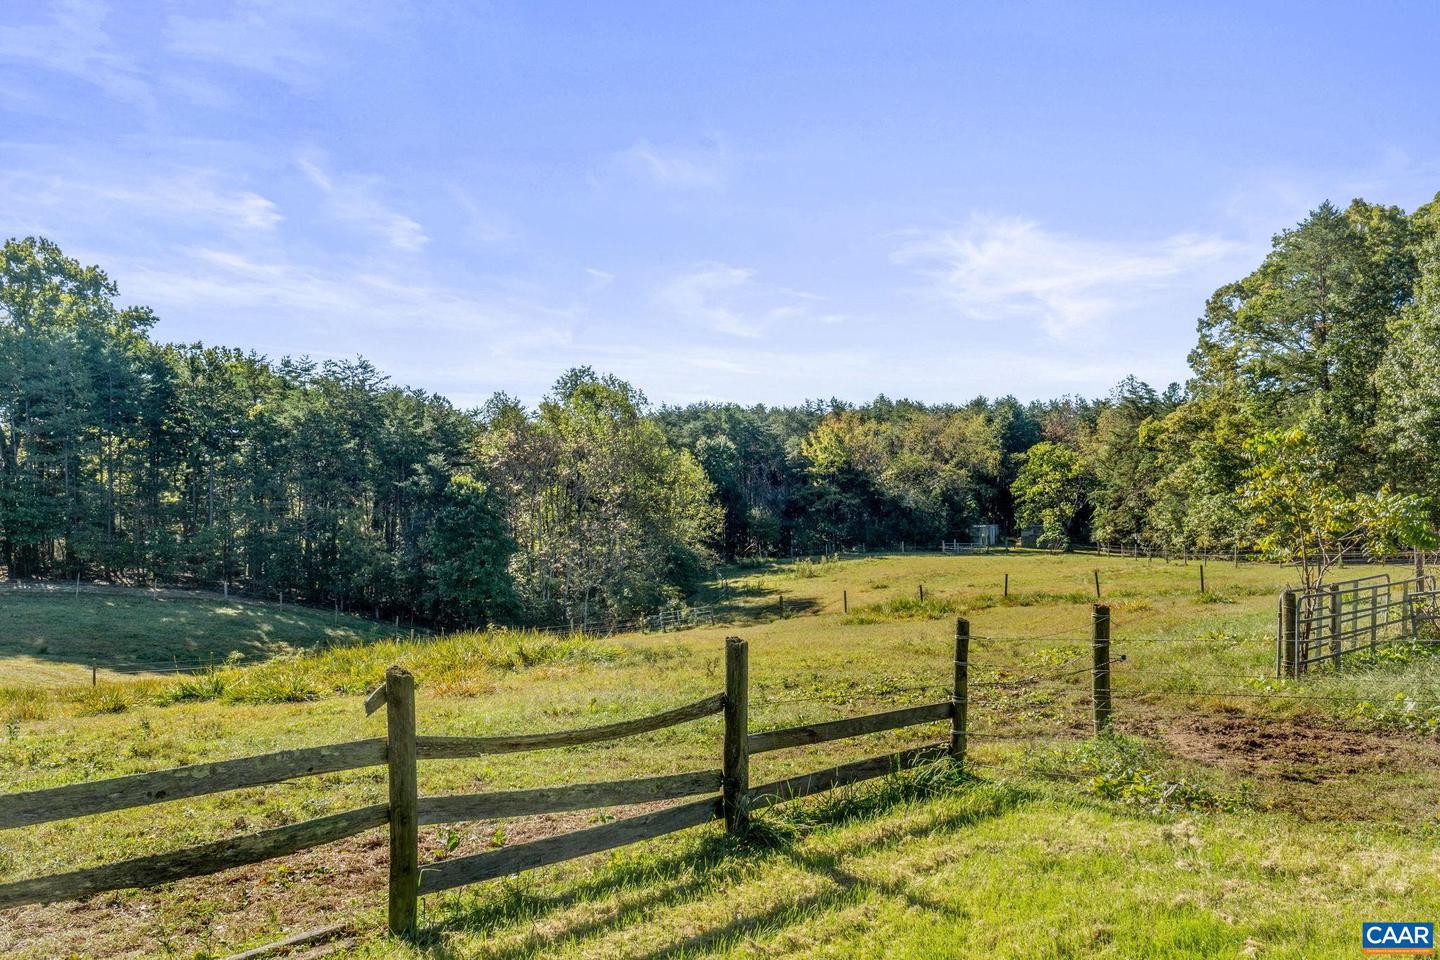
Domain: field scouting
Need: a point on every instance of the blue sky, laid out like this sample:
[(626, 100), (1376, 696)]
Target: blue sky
[(748, 201)]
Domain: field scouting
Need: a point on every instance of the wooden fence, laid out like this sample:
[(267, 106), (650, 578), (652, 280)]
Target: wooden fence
[(724, 793), (1321, 627)]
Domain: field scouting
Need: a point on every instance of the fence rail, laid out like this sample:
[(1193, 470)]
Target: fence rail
[(719, 794), (724, 793), (955, 546), (142, 789)]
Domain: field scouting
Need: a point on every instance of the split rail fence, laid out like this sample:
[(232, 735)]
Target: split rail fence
[(724, 793)]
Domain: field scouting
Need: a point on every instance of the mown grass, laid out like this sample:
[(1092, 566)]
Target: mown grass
[(1053, 798), (55, 635), (1013, 869)]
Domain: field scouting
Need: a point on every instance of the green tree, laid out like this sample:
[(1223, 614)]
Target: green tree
[(1125, 462), (1300, 514), (608, 519), (1302, 336), (468, 552), (1050, 493), (1409, 423)]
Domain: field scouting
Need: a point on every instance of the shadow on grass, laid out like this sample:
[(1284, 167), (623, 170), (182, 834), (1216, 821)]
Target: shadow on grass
[(121, 630), (749, 605), (717, 859)]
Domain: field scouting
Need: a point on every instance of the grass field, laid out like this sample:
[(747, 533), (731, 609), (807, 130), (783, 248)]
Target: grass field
[(54, 633), (1236, 815)]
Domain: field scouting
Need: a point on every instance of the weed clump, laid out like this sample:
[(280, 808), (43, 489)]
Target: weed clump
[(1131, 772)]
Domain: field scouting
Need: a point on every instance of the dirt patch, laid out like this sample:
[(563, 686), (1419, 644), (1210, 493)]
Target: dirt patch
[(1283, 748), (1314, 770)]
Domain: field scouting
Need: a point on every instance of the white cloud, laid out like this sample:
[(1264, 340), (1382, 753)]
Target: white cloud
[(1012, 269), (699, 295), (353, 298), (75, 43), (187, 196), (355, 200), (481, 226), (283, 40), (597, 280), (729, 300), (678, 167)]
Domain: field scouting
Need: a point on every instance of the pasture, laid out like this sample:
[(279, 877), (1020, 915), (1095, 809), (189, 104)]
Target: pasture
[(1227, 798), (56, 633)]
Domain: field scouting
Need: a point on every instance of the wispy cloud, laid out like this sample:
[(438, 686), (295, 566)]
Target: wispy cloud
[(74, 42), (730, 300), (282, 40), (356, 200), (1009, 268), (184, 197), (678, 167), (700, 294), (217, 281)]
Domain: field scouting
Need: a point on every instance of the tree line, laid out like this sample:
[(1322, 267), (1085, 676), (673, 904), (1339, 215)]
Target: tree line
[(1311, 421), (1313, 411)]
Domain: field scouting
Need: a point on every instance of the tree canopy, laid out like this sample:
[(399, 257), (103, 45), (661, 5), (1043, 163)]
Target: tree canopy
[(133, 459)]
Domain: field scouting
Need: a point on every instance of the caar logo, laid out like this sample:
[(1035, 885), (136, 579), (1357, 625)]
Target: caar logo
[(1396, 938)]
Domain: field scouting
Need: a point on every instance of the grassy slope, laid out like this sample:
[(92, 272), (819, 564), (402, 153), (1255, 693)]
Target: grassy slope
[(53, 635), (815, 665)]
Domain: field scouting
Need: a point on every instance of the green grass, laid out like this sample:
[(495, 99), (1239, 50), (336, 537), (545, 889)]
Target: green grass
[(1228, 798), (54, 635), (999, 869)]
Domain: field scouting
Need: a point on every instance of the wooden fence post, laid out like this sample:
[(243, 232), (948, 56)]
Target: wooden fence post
[(1097, 584), (845, 599), (1202, 576), (1100, 676), (960, 699), (404, 800), (1289, 636), (736, 782), (1007, 584)]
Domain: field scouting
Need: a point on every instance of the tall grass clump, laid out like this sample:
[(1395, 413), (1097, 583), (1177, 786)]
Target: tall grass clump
[(23, 704), (780, 826), (1129, 771), (906, 608), (809, 569), (457, 664), (1396, 686)]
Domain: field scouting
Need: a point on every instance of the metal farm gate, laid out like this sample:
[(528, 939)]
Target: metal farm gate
[(1322, 626)]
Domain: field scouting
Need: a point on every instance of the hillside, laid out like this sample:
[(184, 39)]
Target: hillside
[(53, 633), (1228, 796)]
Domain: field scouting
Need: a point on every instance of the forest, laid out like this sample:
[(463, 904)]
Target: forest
[(1312, 415)]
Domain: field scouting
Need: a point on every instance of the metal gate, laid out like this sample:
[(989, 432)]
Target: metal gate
[(1322, 626)]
